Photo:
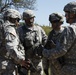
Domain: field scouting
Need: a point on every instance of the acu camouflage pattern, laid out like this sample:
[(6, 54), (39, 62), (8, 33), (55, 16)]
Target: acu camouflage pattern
[(13, 45), (69, 67), (31, 38), (12, 13), (3, 51), (28, 14), (52, 42), (56, 17), (70, 7), (12, 53)]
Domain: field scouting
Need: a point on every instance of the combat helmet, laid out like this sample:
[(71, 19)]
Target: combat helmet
[(12, 13), (28, 14), (56, 17), (70, 7)]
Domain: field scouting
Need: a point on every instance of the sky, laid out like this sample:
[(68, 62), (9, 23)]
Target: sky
[(46, 7)]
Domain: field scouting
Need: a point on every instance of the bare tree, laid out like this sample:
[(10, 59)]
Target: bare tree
[(24, 3), (30, 4)]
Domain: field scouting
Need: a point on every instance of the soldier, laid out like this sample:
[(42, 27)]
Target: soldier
[(32, 37), (68, 48), (11, 51), (56, 20)]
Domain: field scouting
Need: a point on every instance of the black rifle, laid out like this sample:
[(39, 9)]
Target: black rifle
[(38, 51)]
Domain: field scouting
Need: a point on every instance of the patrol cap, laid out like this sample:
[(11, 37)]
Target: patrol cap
[(28, 14), (12, 13), (56, 17), (70, 7)]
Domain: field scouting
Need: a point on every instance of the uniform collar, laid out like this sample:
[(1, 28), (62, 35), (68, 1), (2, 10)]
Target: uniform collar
[(34, 28), (60, 31)]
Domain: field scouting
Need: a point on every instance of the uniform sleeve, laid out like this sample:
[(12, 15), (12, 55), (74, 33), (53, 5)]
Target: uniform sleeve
[(60, 49), (44, 37), (13, 46)]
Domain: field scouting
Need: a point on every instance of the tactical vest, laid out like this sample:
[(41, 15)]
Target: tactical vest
[(32, 39), (54, 41)]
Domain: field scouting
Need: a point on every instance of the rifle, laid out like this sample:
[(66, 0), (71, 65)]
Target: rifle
[(38, 51)]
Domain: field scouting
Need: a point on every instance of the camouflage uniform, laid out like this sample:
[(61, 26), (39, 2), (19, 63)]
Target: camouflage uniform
[(62, 49), (32, 37), (54, 36), (1, 19), (12, 52)]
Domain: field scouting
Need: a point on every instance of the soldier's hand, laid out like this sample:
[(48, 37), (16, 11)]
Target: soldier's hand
[(25, 64)]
